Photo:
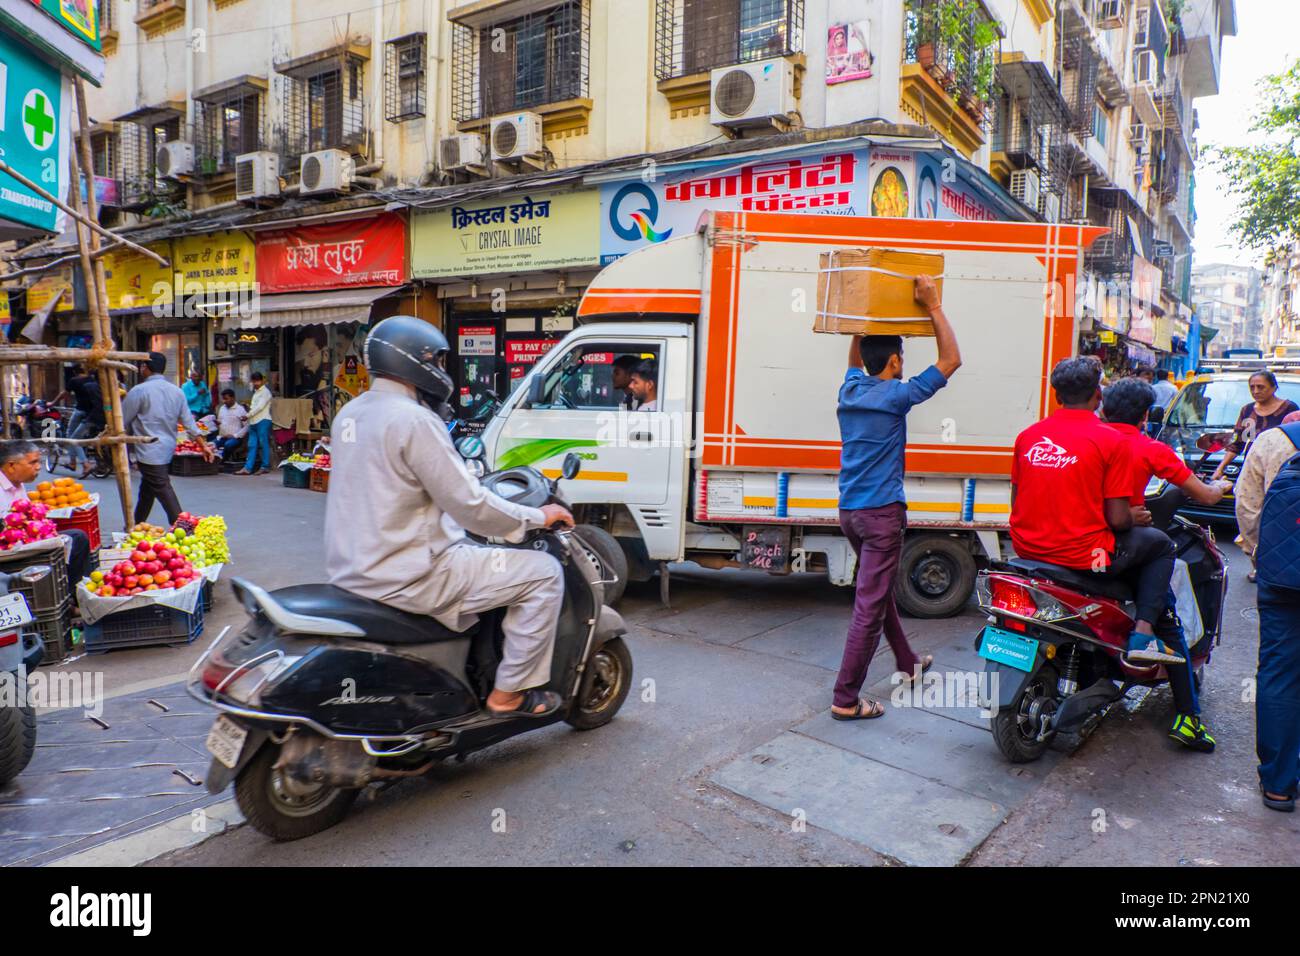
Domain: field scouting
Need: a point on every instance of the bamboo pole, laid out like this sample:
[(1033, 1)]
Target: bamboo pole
[(94, 227), (101, 440), (13, 354)]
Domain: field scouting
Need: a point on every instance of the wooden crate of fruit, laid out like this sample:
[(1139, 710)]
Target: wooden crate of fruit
[(320, 479)]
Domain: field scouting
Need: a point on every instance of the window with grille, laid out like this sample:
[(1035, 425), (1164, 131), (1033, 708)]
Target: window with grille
[(521, 63), (107, 17), (225, 129), (324, 107), (138, 149), (103, 155), (694, 36), (404, 78)]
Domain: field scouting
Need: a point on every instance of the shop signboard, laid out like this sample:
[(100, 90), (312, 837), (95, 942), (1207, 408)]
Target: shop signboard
[(49, 285), (78, 17), (35, 106), (214, 263), (476, 340), (135, 281), (521, 233), (1144, 292), (367, 252), (528, 351), (651, 209)]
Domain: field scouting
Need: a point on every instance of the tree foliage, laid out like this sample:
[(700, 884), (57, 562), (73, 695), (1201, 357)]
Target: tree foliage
[(1265, 176)]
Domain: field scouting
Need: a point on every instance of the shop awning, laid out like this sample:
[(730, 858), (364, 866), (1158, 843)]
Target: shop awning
[(308, 308)]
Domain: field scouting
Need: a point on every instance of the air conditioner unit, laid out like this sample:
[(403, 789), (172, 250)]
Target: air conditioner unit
[(1110, 14), (174, 159), (1024, 187), (461, 151), (257, 176), (1146, 68), (326, 171), (751, 94), (1137, 134), (1049, 207), (516, 136)]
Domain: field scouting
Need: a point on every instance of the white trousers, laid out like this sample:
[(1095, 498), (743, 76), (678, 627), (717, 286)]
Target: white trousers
[(531, 585)]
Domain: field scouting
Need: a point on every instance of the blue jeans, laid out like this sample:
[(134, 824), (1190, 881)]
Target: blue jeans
[(225, 443), (259, 438), (1277, 690)]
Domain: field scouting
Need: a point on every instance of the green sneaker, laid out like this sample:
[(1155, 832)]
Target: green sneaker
[(1192, 732)]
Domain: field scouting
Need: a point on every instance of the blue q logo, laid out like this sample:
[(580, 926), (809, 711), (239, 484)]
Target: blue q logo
[(643, 219)]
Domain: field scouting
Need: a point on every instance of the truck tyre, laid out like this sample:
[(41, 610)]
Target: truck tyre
[(936, 574), (611, 557), (17, 736)]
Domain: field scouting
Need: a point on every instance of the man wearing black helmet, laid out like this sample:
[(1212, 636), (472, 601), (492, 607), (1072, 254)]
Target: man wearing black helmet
[(399, 505)]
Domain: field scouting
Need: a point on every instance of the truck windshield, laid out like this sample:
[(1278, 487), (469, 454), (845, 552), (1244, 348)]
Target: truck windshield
[(1204, 407)]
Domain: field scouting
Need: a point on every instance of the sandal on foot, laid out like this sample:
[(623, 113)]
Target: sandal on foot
[(1282, 806), (872, 711), (549, 700), (926, 661)]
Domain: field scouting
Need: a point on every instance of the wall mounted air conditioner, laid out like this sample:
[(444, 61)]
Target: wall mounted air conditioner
[(462, 151), (326, 171), (174, 159), (257, 176), (1146, 68), (1049, 207), (1024, 187), (1110, 14), (752, 94), (516, 136)]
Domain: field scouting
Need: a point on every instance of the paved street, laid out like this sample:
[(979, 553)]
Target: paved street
[(723, 754)]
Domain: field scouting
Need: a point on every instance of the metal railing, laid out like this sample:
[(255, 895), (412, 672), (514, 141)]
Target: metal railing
[(694, 36)]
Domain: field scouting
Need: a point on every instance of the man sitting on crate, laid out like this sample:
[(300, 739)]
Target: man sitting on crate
[(20, 462), (873, 405)]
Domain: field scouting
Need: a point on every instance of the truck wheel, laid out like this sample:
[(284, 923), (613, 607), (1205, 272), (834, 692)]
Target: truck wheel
[(280, 807), (611, 557), (935, 576), (17, 736)]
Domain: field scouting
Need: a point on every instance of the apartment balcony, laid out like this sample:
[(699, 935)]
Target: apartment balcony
[(1204, 25), (1030, 116), (1076, 25)]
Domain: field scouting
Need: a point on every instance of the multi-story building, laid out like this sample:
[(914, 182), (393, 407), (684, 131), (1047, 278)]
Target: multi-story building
[(284, 145), (1281, 279), (1231, 300)]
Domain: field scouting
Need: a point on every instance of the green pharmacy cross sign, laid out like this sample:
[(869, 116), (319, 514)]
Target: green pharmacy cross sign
[(33, 137)]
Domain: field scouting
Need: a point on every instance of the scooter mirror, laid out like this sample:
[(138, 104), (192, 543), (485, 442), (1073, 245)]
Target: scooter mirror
[(572, 465)]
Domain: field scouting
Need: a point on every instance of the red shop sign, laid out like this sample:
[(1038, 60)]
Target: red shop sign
[(333, 255), (527, 351)]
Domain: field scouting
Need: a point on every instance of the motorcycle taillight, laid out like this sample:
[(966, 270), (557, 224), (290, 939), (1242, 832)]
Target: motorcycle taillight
[(1012, 598)]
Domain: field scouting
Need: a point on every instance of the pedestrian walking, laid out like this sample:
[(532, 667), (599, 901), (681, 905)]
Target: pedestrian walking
[(154, 408), (873, 405), (1264, 459), (1277, 679), (259, 428), (1166, 390), (87, 416), (1255, 418)]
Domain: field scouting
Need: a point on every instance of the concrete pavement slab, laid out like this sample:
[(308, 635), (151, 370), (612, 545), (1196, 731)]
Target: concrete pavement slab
[(908, 817)]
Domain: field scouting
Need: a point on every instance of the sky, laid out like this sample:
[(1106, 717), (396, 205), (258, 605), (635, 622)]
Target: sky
[(1266, 42)]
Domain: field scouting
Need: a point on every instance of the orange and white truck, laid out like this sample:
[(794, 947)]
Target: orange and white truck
[(737, 462)]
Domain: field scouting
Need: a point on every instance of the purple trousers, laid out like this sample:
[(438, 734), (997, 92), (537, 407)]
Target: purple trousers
[(877, 536)]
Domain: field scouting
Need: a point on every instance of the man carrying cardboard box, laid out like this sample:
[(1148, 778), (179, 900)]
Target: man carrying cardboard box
[(873, 405)]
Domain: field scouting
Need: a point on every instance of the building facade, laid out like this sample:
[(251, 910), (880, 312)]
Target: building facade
[(1232, 300)]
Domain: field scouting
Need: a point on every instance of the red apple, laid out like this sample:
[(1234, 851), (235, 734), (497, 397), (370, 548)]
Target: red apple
[(107, 591), (136, 590), (146, 580), (167, 586), (175, 564), (137, 555), (162, 577), (151, 587), (131, 581)]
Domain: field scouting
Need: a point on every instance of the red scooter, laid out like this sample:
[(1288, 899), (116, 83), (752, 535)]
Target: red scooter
[(1055, 639)]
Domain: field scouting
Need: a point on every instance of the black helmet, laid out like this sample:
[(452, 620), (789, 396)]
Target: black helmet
[(411, 351)]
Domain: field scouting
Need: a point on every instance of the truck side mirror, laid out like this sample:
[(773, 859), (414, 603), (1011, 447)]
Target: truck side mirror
[(572, 465), (536, 387)]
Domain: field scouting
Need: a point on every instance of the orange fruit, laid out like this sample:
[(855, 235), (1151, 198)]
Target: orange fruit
[(45, 486), (33, 496)]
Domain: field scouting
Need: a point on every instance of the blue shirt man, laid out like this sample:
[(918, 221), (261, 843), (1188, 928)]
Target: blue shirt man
[(873, 405), (197, 394)]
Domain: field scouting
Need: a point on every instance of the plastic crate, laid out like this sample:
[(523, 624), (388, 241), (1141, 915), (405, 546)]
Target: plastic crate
[(144, 627), (320, 479), (56, 631), (295, 477), (87, 521), (45, 589), (208, 591), (191, 466)]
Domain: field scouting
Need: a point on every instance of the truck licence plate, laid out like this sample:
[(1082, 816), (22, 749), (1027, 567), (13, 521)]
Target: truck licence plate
[(1003, 647), (14, 611), (226, 741)]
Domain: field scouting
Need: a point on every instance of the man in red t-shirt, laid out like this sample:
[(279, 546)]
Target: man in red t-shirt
[(1071, 479), (1125, 406)]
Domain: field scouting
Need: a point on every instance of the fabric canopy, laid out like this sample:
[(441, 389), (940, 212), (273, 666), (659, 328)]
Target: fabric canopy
[(307, 308)]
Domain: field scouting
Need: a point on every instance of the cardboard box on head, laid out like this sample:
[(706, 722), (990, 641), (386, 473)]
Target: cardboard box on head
[(873, 292)]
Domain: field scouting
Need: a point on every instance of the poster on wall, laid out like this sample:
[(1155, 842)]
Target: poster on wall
[(639, 213), (477, 340), (893, 179), (848, 52)]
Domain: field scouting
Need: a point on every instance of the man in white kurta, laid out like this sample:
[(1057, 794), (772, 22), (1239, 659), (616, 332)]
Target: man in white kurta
[(399, 502)]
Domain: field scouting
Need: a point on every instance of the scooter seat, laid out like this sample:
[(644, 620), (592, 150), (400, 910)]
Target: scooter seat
[(382, 623), (1102, 585)]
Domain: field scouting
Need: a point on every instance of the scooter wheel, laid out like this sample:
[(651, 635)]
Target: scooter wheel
[(283, 809), (604, 686), (1013, 727), (17, 737)]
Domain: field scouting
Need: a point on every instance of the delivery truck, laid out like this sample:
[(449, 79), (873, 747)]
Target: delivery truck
[(736, 462)]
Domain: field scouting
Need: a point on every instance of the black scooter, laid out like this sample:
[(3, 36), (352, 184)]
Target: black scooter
[(325, 692)]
